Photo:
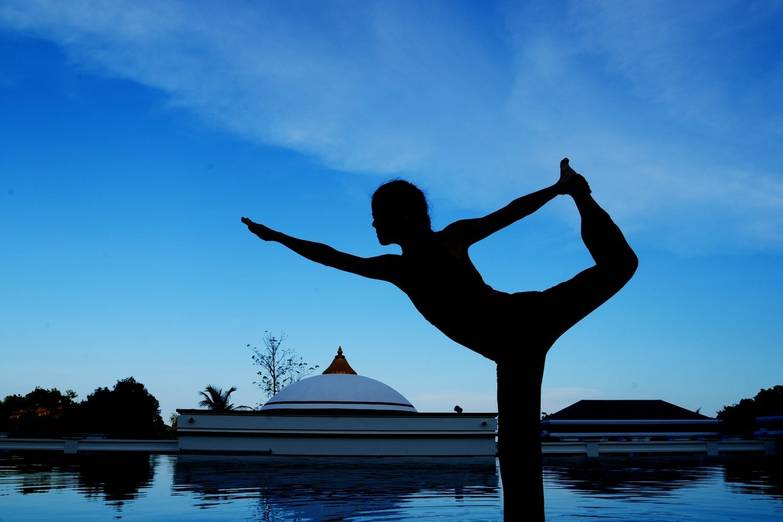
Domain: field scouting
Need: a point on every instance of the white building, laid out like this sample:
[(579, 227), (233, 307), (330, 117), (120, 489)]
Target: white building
[(340, 414)]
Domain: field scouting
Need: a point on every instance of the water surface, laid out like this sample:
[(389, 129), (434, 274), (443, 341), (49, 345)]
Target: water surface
[(167, 487)]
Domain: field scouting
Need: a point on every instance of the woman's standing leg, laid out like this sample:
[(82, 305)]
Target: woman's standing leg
[(554, 311), (519, 438)]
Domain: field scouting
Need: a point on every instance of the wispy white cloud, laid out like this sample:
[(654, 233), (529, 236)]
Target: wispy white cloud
[(654, 101)]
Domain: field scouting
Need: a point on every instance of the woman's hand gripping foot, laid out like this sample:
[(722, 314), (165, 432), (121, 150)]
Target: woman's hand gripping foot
[(571, 182)]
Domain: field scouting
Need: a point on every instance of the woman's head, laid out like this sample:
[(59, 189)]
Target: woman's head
[(399, 211)]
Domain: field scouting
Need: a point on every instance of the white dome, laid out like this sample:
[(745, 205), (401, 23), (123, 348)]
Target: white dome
[(339, 391)]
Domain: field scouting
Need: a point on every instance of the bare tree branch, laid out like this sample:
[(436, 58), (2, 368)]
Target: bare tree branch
[(278, 366)]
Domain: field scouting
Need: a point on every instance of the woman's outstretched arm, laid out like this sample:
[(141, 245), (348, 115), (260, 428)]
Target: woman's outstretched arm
[(474, 230), (471, 231), (380, 267)]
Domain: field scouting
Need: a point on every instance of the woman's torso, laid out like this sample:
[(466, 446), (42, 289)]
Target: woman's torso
[(447, 289)]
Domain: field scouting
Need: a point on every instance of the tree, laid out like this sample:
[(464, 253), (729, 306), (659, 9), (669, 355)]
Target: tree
[(278, 366), (740, 418), (40, 413), (216, 399), (127, 410)]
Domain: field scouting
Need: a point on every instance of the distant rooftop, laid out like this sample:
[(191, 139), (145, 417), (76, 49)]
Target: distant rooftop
[(624, 410)]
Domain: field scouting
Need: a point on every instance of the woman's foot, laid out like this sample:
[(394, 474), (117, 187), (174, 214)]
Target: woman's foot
[(571, 182)]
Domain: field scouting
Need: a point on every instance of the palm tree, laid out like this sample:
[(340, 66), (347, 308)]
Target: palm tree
[(216, 399)]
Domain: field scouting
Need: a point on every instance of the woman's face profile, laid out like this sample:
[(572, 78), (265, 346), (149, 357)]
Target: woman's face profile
[(385, 225)]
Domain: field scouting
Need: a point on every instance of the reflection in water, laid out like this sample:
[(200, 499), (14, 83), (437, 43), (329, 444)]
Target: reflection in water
[(650, 478), (663, 490), (113, 478), (765, 477), (168, 487), (628, 479), (318, 490)]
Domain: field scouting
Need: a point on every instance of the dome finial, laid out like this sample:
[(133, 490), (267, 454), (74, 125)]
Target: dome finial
[(340, 364)]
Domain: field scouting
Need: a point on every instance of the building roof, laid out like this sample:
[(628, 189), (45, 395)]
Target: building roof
[(339, 388), (339, 391), (624, 410)]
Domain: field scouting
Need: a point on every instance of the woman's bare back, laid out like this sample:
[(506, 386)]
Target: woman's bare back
[(443, 284)]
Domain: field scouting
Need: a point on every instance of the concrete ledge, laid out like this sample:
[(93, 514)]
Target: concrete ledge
[(75, 445), (693, 447), (592, 449)]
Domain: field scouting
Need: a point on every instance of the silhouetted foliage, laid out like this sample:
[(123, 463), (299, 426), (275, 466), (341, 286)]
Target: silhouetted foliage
[(216, 399), (40, 413), (740, 418), (278, 366), (128, 410)]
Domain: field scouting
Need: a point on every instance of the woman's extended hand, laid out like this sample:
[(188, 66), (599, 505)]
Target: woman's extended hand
[(264, 232)]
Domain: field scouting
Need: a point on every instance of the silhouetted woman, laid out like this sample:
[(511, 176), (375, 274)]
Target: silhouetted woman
[(513, 329)]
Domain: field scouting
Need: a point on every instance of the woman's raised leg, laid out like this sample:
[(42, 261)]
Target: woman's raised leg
[(615, 264)]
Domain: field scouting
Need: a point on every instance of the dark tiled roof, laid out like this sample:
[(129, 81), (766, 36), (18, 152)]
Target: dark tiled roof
[(625, 410)]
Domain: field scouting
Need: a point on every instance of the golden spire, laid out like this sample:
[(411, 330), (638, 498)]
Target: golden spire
[(340, 364)]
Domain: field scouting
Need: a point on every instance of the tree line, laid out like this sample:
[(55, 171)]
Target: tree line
[(127, 410), (740, 418)]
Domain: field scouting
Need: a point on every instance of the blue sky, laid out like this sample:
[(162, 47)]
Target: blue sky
[(136, 134)]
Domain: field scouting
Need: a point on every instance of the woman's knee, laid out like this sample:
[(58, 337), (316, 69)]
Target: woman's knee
[(619, 268), (628, 265)]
